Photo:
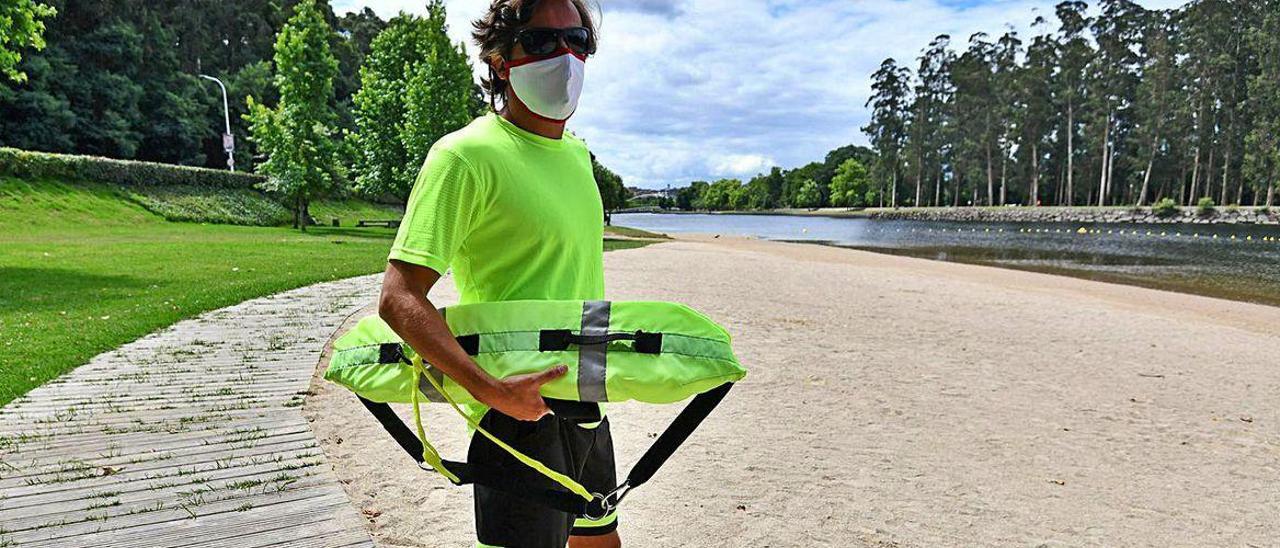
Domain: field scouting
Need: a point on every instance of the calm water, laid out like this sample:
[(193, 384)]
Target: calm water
[(1229, 261)]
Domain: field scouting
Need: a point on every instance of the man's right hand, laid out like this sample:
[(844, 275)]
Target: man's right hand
[(518, 397)]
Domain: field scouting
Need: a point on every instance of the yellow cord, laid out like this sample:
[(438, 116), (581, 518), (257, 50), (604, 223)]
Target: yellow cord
[(433, 457)]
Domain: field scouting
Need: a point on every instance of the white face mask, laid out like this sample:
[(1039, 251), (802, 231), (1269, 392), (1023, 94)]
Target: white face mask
[(549, 87)]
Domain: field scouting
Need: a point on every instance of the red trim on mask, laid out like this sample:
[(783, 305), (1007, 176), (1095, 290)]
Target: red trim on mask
[(535, 58)]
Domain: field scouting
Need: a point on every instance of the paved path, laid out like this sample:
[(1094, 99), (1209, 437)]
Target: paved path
[(192, 436)]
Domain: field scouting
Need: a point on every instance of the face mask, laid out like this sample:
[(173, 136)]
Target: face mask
[(549, 87)]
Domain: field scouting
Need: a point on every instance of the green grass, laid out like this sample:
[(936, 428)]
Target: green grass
[(348, 212), (633, 233), (84, 269)]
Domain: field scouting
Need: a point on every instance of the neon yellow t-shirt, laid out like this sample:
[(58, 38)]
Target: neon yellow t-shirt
[(515, 214)]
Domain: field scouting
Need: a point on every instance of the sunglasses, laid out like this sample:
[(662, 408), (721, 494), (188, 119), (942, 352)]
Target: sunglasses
[(544, 41)]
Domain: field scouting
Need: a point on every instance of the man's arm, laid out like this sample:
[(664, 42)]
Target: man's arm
[(405, 307)]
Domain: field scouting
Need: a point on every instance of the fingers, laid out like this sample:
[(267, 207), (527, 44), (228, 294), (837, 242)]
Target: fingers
[(549, 375)]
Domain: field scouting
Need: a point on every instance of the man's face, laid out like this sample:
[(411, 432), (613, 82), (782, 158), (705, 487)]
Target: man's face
[(553, 14)]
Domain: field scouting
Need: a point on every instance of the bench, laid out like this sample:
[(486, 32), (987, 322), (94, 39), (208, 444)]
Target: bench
[(387, 223)]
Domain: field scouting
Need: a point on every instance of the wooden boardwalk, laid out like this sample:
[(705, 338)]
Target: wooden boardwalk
[(192, 436)]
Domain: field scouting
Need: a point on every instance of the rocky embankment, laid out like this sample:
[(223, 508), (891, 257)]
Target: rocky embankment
[(1227, 215)]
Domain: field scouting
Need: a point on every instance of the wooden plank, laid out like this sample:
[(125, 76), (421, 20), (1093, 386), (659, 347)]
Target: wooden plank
[(199, 418)]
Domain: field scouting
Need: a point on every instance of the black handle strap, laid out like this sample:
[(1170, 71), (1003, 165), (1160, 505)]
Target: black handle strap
[(671, 439), (552, 340)]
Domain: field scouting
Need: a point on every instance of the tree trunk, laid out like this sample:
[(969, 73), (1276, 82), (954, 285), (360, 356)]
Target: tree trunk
[(1195, 179), (955, 202), (1271, 194), (991, 183), (937, 188), (1146, 177), (919, 175), (1102, 183), (1226, 169), (1208, 176), (1004, 172), (1071, 152), (304, 213), (1034, 195), (893, 202)]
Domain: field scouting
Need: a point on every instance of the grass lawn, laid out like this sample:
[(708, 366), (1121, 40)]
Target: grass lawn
[(83, 270)]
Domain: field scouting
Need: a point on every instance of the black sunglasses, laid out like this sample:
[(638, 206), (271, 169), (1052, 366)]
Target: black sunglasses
[(543, 41)]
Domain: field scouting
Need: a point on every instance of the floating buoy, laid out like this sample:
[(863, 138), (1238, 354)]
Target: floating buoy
[(1082, 230)]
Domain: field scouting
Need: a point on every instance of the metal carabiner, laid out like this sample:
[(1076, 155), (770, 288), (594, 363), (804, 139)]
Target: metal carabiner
[(608, 502)]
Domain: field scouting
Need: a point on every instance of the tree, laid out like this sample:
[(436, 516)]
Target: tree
[(416, 87), (1154, 100), (851, 187), (1004, 84), (1263, 143), (21, 26), (888, 127), (613, 193), (928, 117), (1035, 118), (299, 135), (1074, 53), (807, 196)]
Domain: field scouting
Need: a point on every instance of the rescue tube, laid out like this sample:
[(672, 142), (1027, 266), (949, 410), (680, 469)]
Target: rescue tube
[(648, 351)]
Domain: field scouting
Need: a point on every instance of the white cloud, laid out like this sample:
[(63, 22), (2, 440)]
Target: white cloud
[(702, 89), (741, 164)]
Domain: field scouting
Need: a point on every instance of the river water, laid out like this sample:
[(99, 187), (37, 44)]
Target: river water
[(1240, 262)]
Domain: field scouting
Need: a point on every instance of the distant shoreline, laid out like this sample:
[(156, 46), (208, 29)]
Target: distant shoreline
[(1020, 214)]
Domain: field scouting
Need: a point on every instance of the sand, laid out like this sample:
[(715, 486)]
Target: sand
[(904, 402)]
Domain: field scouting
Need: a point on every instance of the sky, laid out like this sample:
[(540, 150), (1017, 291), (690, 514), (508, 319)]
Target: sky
[(685, 90)]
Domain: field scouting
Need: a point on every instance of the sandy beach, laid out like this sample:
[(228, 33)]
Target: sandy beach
[(904, 402)]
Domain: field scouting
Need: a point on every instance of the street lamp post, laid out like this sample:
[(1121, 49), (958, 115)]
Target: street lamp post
[(228, 140)]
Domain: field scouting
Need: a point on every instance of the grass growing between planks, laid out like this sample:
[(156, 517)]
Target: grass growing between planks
[(83, 270)]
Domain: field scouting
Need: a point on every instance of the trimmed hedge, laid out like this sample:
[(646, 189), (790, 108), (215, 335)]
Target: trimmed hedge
[(35, 165)]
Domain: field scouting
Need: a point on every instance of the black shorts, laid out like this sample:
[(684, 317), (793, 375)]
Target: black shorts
[(584, 454)]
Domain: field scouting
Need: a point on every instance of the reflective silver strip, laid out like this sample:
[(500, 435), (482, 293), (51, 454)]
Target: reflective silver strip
[(591, 358), (429, 391)]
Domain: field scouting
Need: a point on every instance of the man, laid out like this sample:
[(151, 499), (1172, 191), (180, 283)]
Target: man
[(510, 203)]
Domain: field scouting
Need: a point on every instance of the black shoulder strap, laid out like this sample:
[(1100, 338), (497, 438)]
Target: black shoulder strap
[(671, 439)]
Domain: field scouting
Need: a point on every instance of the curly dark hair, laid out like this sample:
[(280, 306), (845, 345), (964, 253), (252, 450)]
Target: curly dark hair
[(495, 34)]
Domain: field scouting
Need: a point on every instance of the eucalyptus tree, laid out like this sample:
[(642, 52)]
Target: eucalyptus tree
[(1074, 54), (888, 127), (927, 116), (1155, 98), (1263, 142), (1112, 81), (974, 134), (1037, 113), (1007, 106)]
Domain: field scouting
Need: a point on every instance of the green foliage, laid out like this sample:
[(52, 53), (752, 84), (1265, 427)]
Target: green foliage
[(851, 187), (40, 165), (888, 127), (298, 136), (1205, 206), (613, 193), (416, 88), (807, 195), (1166, 207), (21, 26)]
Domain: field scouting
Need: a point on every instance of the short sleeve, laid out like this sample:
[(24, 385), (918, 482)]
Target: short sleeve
[(441, 211)]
